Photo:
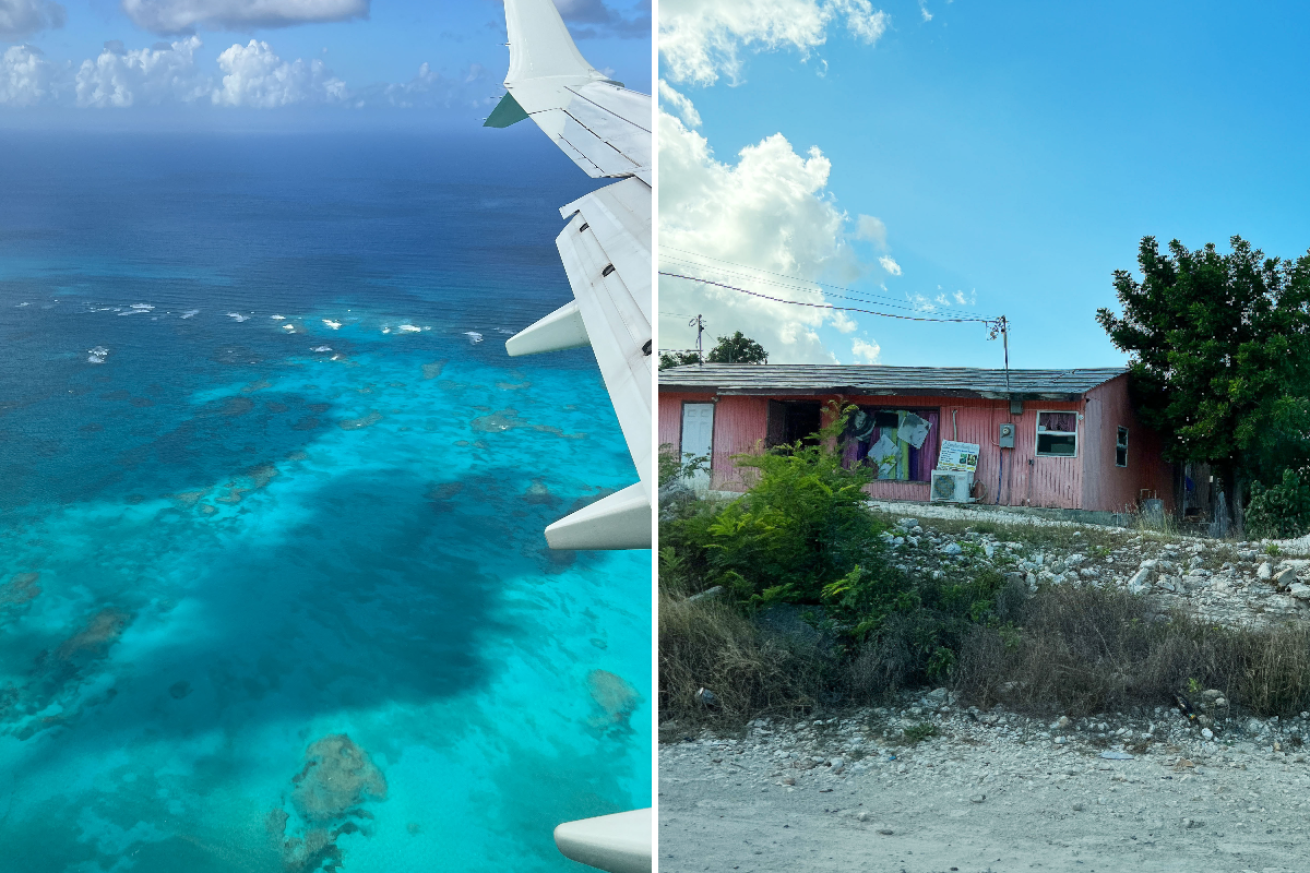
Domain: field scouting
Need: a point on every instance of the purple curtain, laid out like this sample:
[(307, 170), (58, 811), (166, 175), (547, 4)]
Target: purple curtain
[(1061, 421), (922, 460)]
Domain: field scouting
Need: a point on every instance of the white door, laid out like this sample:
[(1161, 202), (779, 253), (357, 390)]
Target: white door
[(698, 439)]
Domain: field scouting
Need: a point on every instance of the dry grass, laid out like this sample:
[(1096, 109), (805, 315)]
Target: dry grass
[(710, 644), (1082, 651)]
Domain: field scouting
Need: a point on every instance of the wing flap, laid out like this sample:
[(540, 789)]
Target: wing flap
[(562, 329), (619, 521), (619, 843)]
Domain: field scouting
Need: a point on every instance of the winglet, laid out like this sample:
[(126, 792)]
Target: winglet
[(507, 112), (562, 329), (540, 45), (618, 843), (620, 521)]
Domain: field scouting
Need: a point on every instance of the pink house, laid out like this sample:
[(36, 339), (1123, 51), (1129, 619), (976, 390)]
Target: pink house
[(1064, 439)]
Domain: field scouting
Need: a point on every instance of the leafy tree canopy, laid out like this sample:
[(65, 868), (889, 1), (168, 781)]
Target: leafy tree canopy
[(1220, 348), (735, 349)]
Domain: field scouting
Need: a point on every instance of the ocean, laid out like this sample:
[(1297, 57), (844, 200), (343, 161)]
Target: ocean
[(274, 592)]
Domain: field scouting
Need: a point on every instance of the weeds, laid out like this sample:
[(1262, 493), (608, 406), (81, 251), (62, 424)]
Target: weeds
[(917, 733)]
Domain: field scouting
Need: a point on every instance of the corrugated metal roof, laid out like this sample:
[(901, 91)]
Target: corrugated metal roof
[(780, 379)]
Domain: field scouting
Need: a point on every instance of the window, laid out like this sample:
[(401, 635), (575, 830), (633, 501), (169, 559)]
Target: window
[(1121, 448), (900, 443), (1057, 434)]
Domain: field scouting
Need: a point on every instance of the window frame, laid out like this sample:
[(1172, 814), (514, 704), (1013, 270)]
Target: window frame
[(1121, 442), (1038, 433)]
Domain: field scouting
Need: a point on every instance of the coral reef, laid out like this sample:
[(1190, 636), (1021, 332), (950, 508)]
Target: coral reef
[(614, 697), (363, 421), (20, 589), (338, 777), (433, 371)]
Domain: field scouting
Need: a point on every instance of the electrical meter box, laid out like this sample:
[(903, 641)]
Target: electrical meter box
[(1006, 438)]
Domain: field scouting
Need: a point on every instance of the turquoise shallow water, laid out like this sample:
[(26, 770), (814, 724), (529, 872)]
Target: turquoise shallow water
[(273, 592)]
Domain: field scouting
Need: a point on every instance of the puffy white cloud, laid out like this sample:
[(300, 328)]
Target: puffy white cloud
[(184, 16), (119, 78), (680, 103), (26, 77), (923, 10), (866, 352), (700, 40), (20, 18), (871, 229), (889, 265), (253, 75), (771, 211)]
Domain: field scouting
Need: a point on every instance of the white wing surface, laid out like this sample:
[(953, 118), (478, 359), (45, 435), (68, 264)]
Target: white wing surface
[(606, 248)]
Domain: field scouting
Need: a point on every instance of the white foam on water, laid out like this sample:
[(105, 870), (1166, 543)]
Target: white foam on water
[(97, 355), (408, 328), (288, 327), (142, 307), (278, 317), (238, 316), (474, 336), (332, 324), (322, 349), (133, 312), (190, 312), (386, 330), (506, 331)]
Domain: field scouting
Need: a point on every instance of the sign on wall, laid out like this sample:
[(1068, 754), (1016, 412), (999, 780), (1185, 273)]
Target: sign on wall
[(958, 456)]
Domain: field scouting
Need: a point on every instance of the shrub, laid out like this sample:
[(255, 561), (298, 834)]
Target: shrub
[(1281, 511)]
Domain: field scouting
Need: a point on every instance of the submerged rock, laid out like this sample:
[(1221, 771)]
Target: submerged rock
[(616, 698), (338, 775), (20, 589), (433, 370), (362, 422)]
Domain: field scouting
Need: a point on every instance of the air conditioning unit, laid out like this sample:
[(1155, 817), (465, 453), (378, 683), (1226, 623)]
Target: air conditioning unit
[(951, 486)]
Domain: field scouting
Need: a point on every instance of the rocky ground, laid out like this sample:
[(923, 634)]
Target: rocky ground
[(1234, 583), (927, 786)]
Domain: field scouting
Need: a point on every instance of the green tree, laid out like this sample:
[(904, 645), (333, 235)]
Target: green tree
[(678, 359), (738, 349), (1220, 356)]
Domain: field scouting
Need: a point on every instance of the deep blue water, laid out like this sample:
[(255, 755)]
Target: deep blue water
[(227, 539)]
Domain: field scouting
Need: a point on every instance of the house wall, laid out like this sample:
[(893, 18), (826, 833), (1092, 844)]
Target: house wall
[(741, 423), (1110, 487)]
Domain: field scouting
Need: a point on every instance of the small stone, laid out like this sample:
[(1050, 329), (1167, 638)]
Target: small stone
[(789, 780), (1285, 578), (1207, 734), (886, 832), (951, 549), (1264, 572), (1190, 823), (978, 798), (1078, 807), (863, 816)]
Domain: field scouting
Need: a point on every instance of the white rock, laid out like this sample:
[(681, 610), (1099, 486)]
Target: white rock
[(1264, 572)]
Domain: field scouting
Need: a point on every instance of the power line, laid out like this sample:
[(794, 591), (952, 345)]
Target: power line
[(975, 319), (853, 297), (667, 248)]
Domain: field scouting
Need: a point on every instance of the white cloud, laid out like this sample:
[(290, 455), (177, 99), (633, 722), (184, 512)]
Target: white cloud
[(680, 103), (183, 16), (253, 75), (120, 78), (20, 18), (971, 300), (843, 323), (867, 352), (889, 265), (26, 77), (771, 211), (871, 229), (700, 40), (923, 10)]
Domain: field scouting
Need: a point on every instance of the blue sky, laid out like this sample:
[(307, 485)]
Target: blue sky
[(348, 61), (1014, 153)]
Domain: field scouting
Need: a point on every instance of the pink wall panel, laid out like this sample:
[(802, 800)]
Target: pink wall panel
[(1114, 488)]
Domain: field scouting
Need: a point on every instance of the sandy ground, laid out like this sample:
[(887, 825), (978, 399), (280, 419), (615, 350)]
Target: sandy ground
[(989, 801)]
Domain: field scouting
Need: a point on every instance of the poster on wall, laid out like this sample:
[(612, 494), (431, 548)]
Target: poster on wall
[(958, 456)]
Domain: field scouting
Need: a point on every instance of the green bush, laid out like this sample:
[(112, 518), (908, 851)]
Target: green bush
[(1281, 511)]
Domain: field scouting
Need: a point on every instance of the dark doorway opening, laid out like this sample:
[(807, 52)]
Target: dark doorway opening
[(792, 421)]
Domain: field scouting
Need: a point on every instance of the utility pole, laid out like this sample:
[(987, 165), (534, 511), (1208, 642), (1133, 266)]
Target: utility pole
[(699, 323), (1005, 341)]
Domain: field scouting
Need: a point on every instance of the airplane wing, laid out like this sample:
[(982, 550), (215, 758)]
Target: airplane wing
[(606, 248)]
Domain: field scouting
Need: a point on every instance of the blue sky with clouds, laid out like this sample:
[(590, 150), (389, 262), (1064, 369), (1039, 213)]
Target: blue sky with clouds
[(411, 61), (1012, 154)]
